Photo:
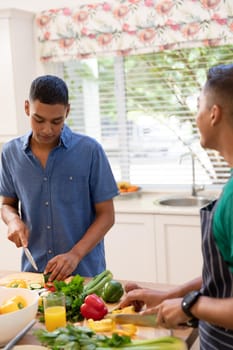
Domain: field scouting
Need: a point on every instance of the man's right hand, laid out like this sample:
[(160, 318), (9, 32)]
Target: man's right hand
[(18, 232)]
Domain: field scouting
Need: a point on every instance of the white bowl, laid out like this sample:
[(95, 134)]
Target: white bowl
[(13, 322)]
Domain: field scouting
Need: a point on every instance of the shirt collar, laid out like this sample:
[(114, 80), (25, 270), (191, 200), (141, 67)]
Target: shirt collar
[(65, 138)]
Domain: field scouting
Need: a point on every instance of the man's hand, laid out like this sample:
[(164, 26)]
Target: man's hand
[(147, 296), (18, 232), (61, 266), (169, 314)]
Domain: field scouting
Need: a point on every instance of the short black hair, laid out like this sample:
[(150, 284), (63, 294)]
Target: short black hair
[(220, 77), (219, 84), (49, 89)]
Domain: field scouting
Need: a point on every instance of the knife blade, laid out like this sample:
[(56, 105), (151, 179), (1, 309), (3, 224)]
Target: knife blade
[(30, 258), (137, 319)]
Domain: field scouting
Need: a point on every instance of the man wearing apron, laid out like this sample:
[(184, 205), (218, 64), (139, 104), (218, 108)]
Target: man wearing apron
[(206, 302)]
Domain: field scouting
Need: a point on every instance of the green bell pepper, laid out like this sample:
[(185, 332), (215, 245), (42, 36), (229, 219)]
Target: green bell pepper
[(112, 291)]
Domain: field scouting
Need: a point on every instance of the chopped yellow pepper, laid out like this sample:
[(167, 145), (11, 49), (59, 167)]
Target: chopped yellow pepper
[(108, 325), (43, 294), (17, 284), (20, 301), (7, 307), (125, 310), (40, 301), (104, 325), (126, 329), (13, 304)]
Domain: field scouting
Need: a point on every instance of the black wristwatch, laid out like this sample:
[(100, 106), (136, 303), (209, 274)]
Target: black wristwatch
[(188, 301)]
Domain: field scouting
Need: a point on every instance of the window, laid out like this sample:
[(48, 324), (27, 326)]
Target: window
[(142, 110)]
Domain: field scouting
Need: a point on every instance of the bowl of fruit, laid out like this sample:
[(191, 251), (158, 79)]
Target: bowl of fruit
[(18, 306), (126, 189)]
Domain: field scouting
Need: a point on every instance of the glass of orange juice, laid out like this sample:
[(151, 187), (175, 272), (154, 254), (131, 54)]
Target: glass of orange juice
[(54, 310)]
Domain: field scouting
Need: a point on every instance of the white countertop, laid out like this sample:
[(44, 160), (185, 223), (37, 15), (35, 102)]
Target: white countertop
[(147, 203)]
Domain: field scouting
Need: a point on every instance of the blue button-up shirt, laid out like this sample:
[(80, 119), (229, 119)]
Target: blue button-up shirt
[(57, 202)]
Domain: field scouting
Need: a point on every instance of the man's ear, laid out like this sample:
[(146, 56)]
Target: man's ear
[(27, 107), (216, 114), (67, 110)]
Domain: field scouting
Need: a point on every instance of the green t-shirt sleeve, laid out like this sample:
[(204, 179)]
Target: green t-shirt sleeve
[(223, 224)]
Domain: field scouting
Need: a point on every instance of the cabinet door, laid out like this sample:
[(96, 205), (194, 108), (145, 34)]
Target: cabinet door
[(178, 248), (130, 248)]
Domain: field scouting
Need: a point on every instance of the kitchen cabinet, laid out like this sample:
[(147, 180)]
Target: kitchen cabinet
[(154, 243), (17, 69), (178, 248), (130, 247)]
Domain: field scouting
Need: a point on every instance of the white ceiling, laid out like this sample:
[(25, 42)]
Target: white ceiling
[(39, 5)]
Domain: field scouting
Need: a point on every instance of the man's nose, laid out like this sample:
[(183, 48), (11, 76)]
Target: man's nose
[(47, 128)]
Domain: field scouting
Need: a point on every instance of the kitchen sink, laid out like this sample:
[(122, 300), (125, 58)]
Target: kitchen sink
[(190, 201)]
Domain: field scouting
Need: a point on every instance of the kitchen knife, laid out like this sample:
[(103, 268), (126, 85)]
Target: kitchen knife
[(30, 258), (142, 320), (137, 319)]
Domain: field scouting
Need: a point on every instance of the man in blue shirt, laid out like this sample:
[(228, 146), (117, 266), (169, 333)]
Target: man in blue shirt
[(57, 188)]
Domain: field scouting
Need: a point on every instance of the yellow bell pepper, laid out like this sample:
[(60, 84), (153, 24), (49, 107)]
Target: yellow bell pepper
[(126, 310), (40, 301), (126, 329), (17, 284), (13, 304), (104, 325), (8, 306), (20, 301), (108, 325), (43, 294)]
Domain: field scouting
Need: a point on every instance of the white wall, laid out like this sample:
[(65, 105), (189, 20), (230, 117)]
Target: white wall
[(17, 70)]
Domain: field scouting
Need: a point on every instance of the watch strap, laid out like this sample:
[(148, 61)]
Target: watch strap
[(188, 301), (193, 322)]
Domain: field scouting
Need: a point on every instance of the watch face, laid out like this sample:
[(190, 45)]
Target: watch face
[(192, 297)]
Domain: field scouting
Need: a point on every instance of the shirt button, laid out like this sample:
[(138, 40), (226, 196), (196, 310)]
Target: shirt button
[(46, 203), (45, 178), (48, 227), (71, 178), (50, 251)]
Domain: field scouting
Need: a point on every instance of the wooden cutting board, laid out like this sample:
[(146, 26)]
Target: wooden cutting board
[(29, 277)]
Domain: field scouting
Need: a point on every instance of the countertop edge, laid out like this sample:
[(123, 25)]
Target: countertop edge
[(147, 203)]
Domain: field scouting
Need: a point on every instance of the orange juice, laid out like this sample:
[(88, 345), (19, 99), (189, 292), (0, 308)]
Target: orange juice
[(55, 316)]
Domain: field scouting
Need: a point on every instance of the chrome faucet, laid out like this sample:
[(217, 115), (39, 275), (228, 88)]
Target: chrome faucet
[(195, 188)]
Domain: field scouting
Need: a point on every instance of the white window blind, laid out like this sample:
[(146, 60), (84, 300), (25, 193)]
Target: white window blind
[(142, 110)]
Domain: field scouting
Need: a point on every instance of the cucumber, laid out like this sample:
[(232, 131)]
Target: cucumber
[(35, 286), (46, 277)]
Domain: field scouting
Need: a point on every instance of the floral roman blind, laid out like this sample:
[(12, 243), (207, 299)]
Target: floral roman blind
[(132, 27)]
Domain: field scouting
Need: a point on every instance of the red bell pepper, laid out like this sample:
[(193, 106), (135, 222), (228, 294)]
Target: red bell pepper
[(93, 307), (50, 287)]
